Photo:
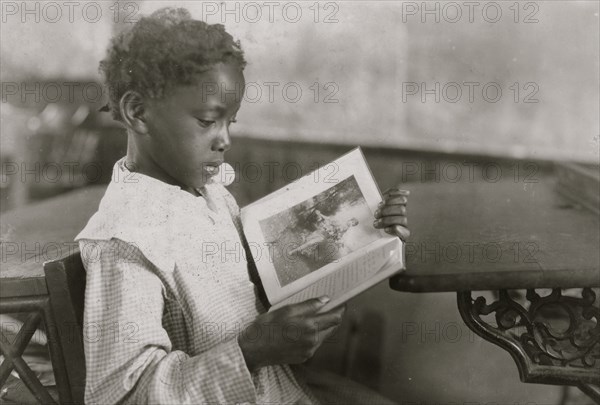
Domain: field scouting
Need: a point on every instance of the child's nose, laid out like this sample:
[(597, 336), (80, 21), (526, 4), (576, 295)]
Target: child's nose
[(222, 141)]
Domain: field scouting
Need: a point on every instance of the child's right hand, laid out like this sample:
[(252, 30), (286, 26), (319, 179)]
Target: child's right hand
[(288, 335)]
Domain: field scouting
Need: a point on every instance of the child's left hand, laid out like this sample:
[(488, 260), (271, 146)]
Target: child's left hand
[(391, 213)]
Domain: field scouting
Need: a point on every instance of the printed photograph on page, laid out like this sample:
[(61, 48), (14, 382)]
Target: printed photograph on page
[(318, 231)]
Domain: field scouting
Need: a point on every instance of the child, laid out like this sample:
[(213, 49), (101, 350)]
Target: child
[(165, 323)]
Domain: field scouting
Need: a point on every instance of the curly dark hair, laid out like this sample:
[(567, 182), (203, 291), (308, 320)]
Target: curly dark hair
[(164, 50)]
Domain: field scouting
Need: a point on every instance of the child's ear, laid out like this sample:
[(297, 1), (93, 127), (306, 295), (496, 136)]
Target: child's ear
[(133, 111)]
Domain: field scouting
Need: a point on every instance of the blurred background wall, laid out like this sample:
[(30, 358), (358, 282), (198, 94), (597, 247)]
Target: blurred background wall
[(498, 79), (363, 68)]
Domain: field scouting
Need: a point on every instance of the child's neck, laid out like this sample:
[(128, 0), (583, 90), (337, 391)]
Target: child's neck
[(140, 162)]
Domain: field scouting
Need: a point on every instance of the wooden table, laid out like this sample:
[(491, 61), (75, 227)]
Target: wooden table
[(512, 235), (30, 236)]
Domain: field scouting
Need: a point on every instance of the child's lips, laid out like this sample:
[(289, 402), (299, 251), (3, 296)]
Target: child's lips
[(220, 172), (212, 168)]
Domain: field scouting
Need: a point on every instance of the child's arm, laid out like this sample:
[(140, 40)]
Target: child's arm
[(129, 356)]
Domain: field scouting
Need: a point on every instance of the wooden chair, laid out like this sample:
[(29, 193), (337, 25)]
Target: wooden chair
[(65, 279)]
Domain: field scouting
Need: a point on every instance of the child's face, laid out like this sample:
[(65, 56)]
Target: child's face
[(189, 129)]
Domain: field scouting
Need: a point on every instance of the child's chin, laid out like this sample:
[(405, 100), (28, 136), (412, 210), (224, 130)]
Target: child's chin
[(199, 183)]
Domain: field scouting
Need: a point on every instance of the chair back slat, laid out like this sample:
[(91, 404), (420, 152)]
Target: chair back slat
[(65, 279)]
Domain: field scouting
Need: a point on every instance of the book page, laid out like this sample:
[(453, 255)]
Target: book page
[(383, 261)]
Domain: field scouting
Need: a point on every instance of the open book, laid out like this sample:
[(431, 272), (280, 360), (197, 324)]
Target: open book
[(315, 236)]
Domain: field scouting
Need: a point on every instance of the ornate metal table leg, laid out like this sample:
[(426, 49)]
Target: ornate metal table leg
[(554, 340)]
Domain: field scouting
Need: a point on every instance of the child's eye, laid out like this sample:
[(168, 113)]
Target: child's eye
[(233, 121), (205, 123)]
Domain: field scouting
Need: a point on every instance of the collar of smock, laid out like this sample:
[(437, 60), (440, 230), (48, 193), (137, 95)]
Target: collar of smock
[(141, 210)]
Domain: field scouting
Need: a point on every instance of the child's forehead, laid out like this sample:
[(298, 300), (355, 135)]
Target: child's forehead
[(219, 74), (219, 89)]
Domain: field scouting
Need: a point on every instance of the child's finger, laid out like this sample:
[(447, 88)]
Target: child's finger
[(325, 333), (393, 191), (399, 231), (330, 318), (306, 307), (390, 210), (390, 221), (395, 200)]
